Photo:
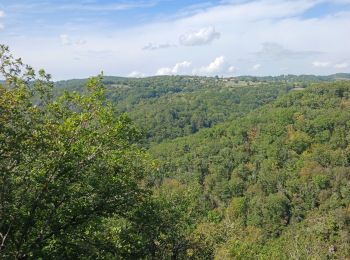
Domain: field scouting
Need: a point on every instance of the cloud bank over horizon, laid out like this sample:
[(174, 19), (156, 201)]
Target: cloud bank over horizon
[(145, 38)]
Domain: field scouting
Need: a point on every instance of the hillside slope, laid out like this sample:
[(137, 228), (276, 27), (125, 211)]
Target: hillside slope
[(248, 168), (276, 182), (167, 107), (174, 106)]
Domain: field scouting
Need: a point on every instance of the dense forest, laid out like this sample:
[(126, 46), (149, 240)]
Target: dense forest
[(173, 167)]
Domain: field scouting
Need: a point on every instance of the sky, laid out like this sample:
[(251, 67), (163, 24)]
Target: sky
[(138, 38)]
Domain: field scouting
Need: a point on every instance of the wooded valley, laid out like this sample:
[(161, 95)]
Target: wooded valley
[(173, 167)]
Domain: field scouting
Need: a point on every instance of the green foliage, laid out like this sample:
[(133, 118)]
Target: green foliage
[(246, 168), (171, 107), (274, 169), (177, 209), (67, 165)]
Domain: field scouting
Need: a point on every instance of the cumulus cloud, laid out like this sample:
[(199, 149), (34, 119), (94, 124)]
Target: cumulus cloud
[(67, 40), (164, 71), (179, 68), (201, 37), (215, 67), (343, 65), (321, 64), (232, 69), (256, 66), (246, 27), (136, 74), (156, 46)]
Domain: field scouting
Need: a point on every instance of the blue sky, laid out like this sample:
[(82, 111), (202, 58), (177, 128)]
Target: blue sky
[(74, 39)]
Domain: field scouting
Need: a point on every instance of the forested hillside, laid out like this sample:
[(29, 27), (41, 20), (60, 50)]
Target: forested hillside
[(270, 179), (174, 106), (276, 182), (170, 107), (173, 167)]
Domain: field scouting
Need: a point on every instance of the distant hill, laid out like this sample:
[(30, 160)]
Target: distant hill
[(298, 78), (173, 106), (167, 107)]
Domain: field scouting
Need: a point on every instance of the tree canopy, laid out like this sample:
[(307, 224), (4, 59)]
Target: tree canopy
[(67, 165)]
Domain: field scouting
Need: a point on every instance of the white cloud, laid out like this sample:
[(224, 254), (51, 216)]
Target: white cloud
[(179, 68), (217, 66), (232, 69), (273, 51), (67, 40), (156, 46), (256, 66), (321, 64), (136, 74), (201, 37), (343, 65), (164, 71), (244, 26)]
